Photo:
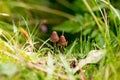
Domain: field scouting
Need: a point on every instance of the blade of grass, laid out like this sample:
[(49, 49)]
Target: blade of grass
[(95, 18), (43, 8)]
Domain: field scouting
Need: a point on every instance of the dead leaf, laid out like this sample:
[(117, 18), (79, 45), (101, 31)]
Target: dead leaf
[(94, 56)]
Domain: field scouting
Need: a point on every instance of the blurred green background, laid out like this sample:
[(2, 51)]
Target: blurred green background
[(87, 25), (70, 17)]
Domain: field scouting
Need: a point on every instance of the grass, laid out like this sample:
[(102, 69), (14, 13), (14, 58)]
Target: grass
[(20, 59)]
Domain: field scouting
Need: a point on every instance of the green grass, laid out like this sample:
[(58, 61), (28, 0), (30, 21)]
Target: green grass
[(26, 56)]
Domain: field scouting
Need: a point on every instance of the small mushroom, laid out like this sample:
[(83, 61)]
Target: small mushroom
[(62, 41), (54, 37)]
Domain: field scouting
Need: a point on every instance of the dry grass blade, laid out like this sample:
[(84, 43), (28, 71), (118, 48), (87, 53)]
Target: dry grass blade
[(24, 34), (44, 70), (82, 74)]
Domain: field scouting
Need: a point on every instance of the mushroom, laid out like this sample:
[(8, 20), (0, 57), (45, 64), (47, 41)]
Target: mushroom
[(54, 38), (62, 42)]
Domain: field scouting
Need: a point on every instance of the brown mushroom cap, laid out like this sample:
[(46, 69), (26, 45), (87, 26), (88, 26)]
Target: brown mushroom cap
[(62, 41), (54, 37)]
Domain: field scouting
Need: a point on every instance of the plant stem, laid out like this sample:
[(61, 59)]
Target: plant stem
[(55, 48), (44, 43)]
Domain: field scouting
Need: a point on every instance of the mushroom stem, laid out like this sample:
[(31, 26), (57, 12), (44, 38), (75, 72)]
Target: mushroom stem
[(62, 49), (55, 47)]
